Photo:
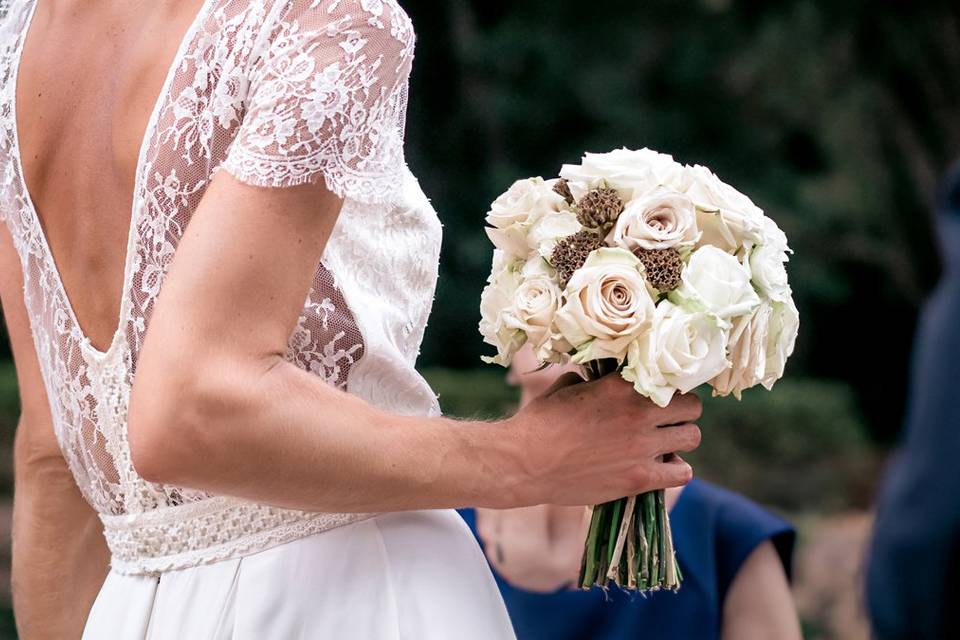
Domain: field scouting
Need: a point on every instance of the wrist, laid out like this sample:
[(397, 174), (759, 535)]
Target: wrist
[(501, 453)]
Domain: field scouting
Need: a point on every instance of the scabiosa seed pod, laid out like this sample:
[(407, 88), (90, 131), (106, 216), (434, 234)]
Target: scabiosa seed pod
[(600, 208), (571, 252), (663, 268)]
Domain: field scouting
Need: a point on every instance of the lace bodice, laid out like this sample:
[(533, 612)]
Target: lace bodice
[(278, 93)]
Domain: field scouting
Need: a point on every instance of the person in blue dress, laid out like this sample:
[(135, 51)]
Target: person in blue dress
[(913, 576), (735, 557)]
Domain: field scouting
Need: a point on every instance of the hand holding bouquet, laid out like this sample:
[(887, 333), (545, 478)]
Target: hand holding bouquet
[(633, 263)]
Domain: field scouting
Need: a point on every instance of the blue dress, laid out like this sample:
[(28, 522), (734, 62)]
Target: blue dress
[(714, 531)]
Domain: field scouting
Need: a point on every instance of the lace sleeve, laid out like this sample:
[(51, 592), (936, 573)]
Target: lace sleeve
[(328, 98)]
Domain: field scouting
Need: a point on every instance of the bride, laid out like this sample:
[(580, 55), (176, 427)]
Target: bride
[(264, 461)]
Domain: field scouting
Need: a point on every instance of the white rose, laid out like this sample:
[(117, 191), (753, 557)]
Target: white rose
[(631, 172), (549, 229), (747, 351), (518, 205), (607, 305), (661, 220), (774, 235), (684, 350), (535, 303), (782, 336), (727, 218), (513, 213), (716, 282), (496, 303), (767, 265)]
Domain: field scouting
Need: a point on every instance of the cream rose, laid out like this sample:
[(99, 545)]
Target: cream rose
[(747, 351), (774, 235), (535, 303), (760, 344), (607, 305), (496, 304), (767, 266), (630, 172), (684, 350), (781, 338), (544, 234), (727, 218), (716, 282), (661, 220), (513, 214)]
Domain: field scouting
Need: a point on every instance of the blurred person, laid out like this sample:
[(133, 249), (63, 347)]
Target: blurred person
[(735, 557), (215, 270), (913, 573)]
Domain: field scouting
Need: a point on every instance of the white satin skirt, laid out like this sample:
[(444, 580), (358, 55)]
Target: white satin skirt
[(403, 576)]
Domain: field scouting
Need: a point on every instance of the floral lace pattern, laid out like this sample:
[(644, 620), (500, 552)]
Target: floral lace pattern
[(276, 93)]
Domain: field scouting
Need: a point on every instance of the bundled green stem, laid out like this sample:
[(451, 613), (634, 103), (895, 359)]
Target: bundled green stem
[(629, 542)]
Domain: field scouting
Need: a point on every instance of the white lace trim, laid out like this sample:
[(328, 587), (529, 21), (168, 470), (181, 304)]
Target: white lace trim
[(265, 172), (216, 529)]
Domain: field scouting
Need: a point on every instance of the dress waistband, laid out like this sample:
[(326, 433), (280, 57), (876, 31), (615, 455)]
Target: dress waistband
[(207, 531)]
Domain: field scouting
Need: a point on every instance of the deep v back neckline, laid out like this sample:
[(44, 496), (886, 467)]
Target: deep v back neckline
[(35, 222)]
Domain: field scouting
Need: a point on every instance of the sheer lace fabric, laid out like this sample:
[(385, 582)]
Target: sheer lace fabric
[(277, 93)]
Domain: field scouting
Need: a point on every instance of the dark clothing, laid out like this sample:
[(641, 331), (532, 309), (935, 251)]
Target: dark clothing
[(714, 531), (913, 577)]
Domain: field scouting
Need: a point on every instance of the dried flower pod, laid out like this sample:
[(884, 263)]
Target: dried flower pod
[(600, 208), (571, 252), (663, 268), (562, 187)]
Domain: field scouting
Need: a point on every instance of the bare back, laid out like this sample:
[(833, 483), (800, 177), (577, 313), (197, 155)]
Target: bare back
[(89, 76)]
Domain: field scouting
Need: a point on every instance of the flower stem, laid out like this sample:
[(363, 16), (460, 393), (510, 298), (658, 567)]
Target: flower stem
[(590, 553), (632, 549)]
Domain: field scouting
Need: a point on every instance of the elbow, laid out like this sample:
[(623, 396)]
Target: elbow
[(146, 454), (173, 418), (157, 420)]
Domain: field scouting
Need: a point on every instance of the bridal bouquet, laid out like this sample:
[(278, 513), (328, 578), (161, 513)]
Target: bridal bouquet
[(632, 263)]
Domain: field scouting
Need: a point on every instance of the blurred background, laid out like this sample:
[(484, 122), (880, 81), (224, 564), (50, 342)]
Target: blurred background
[(837, 118)]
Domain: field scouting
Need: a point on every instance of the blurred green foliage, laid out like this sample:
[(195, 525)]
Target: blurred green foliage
[(836, 117), (801, 447), (9, 396), (475, 394)]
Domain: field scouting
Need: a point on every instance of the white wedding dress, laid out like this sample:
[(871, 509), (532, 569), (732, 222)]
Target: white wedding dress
[(277, 93)]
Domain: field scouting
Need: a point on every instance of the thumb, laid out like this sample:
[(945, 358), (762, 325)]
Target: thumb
[(566, 380)]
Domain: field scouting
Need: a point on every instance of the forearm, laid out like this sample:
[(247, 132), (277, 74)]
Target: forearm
[(279, 435), (215, 406), (60, 558)]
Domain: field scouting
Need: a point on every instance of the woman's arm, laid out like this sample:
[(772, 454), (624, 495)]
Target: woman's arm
[(215, 405), (759, 604), (60, 557)]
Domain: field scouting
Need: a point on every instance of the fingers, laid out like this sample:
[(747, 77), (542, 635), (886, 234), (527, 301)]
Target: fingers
[(684, 437), (684, 407), (674, 472)]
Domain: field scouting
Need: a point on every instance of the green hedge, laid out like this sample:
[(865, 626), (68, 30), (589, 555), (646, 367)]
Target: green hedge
[(801, 446), (9, 397)]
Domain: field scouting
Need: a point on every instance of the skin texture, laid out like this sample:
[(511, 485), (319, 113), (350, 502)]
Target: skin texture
[(539, 548), (759, 604), (214, 405)]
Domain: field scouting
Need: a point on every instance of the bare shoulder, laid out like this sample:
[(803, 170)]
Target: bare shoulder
[(759, 603)]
